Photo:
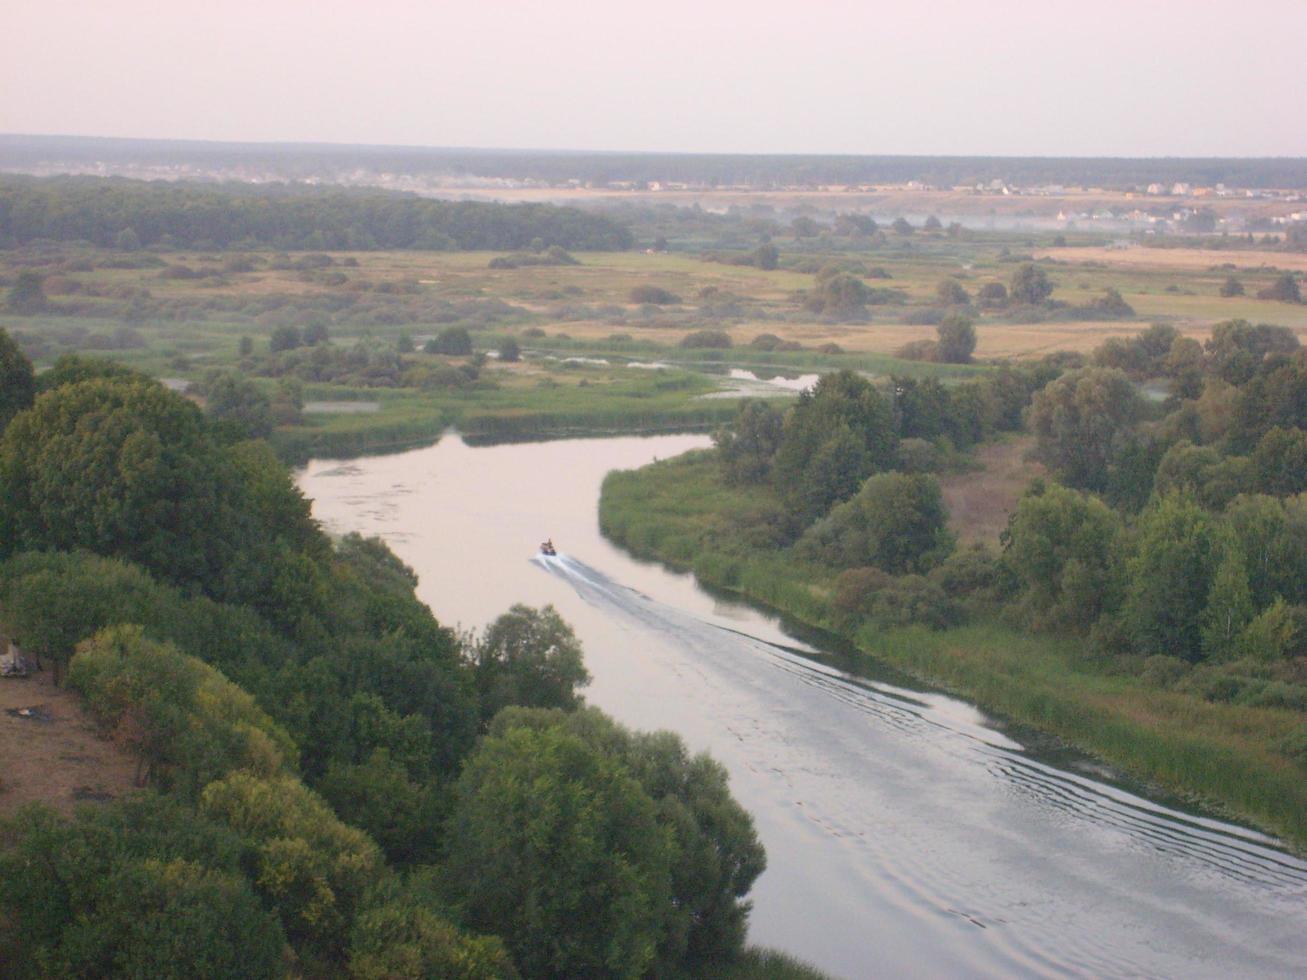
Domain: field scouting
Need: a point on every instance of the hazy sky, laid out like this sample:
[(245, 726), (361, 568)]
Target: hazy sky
[(1050, 77)]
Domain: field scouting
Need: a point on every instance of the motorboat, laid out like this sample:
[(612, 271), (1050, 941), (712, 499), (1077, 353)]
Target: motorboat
[(548, 550)]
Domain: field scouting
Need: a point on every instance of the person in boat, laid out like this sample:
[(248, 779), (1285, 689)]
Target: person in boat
[(548, 547)]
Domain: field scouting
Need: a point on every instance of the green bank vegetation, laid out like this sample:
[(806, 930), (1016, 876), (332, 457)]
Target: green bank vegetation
[(1146, 601)]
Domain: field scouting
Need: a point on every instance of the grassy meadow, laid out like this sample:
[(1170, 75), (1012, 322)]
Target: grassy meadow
[(181, 314)]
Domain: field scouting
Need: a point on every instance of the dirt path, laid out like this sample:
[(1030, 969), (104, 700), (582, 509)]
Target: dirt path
[(57, 758), (980, 502)]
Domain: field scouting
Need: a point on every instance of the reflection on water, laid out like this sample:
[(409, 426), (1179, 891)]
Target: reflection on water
[(905, 834), (762, 385)]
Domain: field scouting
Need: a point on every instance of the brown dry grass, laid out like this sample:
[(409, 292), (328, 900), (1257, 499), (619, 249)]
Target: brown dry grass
[(1141, 257), (980, 502), (62, 762)]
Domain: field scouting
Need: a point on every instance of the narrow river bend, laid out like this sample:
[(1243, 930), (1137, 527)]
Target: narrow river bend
[(905, 834)]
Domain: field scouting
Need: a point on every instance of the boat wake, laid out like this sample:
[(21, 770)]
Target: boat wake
[(923, 784)]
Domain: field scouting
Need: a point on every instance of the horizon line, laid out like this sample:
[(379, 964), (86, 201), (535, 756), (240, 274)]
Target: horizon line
[(564, 151)]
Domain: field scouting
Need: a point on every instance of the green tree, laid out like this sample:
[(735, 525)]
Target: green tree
[(54, 601), (246, 347), (747, 446), (71, 368), (1237, 348), (316, 332), (1112, 304), (840, 295), (189, 724), (285, 338), (1030, 285), (1229, 601), (957, 340), (838, 434), (128, 241), (1273, 397), (1280, 462), (1272, 537), (17, 380), (1081, 420), (715, 857), (312, 870), (805, 227), (992, 295), (949, 292), (1062, 546), (1231, 287), (528, 657), (1184, 365), (767, 257), (510, 351), (241, 408), (128, 469), (1284, 289), (901, 227), (452, 340), (138, 887), (402, 936), (555, 846), (896, 522), (379, 796), (1169, 578)]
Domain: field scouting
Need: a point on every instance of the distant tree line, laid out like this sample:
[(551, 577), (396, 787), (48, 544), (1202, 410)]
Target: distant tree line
[(297, 162), (129, 215)]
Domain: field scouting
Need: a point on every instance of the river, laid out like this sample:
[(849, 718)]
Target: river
[(906, 833)]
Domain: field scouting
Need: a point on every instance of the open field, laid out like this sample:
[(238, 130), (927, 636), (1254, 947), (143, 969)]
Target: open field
[(979, 502), (1188, 259), (58, 759), (179, 314)]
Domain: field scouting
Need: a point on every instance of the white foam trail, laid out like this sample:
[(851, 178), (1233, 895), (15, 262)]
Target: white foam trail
[(1104, 823)]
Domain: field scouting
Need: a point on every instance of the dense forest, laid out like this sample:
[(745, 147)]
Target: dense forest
[(1174, 530), (333, 783), (129, 215), (301, 161)]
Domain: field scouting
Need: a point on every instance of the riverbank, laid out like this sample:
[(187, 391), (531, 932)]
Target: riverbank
[(571, 402), (1244, 762)]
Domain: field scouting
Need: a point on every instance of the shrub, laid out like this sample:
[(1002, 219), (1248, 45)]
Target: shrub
[(992, 294), (714, 339), (957, 340), (654, 295), (1232, 287), (855, 587), (1284, 289), (949, 292), (454, 341), (918, 350)]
